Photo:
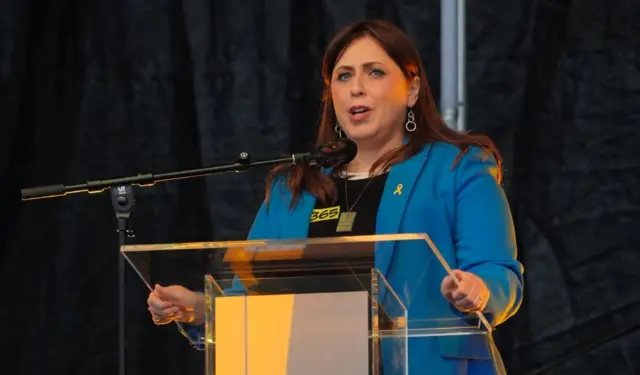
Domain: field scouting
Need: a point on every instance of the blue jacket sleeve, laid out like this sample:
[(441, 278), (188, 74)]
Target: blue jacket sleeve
[(261, 229), (485, 236), (264, 226)]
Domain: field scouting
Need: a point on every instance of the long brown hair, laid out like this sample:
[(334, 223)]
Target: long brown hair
[(430, 125)]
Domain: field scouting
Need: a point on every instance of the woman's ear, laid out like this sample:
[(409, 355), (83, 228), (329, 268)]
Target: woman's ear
[(414, 92)]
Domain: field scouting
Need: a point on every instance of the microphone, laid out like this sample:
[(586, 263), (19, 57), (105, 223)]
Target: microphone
[(328, 155)]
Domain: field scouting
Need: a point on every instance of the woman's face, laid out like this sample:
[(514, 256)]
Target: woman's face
[(370, 94)]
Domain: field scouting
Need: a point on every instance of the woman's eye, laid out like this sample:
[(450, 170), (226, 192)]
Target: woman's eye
[(343, 76), (377, 73)]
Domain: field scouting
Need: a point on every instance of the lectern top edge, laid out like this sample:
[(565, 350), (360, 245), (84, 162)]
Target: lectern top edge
[(279, 243)]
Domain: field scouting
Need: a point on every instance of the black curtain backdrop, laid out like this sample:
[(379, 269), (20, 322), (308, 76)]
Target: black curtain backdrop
[(98, 89)]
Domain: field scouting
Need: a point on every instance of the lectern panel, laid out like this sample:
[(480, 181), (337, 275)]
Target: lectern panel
[(309, 306)]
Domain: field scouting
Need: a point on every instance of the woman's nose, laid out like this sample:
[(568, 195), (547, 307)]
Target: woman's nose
[(357, 88)]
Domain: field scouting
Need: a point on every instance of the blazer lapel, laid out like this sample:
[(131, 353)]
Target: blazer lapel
[(398, 188)]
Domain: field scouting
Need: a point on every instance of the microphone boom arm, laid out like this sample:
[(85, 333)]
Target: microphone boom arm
[(148, 179)]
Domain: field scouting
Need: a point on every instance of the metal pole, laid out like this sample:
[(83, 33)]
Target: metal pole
[(462, 66), (122, 305), (449, 61)]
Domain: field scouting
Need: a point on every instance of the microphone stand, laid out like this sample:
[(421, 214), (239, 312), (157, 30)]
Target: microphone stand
[(122, 199)]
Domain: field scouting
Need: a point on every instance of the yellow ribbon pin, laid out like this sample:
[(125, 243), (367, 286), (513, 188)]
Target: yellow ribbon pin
[(398, 190)]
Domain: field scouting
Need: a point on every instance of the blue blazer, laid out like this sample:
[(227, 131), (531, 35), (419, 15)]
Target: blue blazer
[(466, 214)]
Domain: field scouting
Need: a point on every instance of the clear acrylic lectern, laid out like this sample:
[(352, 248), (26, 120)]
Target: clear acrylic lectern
[(309, 306)]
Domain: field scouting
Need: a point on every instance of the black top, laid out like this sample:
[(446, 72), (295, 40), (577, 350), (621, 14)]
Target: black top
[(363, 196)]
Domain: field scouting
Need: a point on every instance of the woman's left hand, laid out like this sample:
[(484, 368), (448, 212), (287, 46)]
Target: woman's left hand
[(470, 295)]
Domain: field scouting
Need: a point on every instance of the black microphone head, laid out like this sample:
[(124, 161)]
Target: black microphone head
[(336, 153)]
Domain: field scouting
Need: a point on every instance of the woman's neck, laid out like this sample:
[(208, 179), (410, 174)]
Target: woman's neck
[(366, 157), (363, 162)]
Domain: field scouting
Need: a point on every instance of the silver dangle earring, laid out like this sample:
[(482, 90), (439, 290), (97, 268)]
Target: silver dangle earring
[(338, 130), (410, 125)]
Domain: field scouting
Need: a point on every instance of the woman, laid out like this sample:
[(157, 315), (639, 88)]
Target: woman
[(411, 174)]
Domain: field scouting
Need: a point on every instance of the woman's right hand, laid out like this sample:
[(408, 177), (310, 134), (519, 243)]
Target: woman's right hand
[(175, 302)]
